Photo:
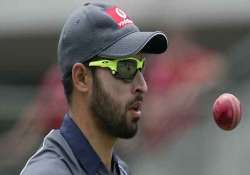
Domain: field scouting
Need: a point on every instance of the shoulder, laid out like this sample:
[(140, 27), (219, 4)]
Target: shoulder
[(54, 157), (48, 166)]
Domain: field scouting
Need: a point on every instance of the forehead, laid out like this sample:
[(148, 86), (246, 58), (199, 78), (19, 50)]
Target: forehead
[(139, 56)]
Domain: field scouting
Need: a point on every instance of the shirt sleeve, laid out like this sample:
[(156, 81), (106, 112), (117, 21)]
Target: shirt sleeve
[(46, 166)]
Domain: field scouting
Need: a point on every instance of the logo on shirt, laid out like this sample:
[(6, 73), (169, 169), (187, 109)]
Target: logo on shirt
[(119, 16)]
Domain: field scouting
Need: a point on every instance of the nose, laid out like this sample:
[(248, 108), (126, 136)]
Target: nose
[(139, 84)]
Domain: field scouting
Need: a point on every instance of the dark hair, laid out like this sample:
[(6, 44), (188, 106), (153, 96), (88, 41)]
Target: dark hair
[(68, 83)]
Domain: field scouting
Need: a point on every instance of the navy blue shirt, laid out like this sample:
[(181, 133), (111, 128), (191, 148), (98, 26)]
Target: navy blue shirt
[(83, 151), (66, 151)]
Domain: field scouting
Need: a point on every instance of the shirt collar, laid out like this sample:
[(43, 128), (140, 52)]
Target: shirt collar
[(81, 148)]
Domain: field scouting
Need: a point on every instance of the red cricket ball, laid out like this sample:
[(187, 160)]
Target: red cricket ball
[(227, 111)]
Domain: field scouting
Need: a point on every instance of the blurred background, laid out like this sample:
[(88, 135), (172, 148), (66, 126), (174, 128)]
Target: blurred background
[(209, 48)]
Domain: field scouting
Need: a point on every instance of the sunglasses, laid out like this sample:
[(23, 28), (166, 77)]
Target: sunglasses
[(124, 68)]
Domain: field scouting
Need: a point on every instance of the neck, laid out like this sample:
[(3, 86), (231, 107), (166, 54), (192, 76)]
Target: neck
[(101, 142)]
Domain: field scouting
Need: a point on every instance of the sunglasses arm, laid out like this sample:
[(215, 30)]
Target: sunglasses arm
[(111, 64)]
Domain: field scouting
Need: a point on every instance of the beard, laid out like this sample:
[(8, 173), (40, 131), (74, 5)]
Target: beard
[(110, 115)]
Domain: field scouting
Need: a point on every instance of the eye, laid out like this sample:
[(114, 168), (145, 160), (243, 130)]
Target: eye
[(126, 68)]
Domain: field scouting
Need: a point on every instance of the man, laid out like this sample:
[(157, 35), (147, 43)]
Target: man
[(100, 54)]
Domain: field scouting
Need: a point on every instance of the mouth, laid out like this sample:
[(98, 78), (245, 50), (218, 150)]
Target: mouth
[(136, 110)]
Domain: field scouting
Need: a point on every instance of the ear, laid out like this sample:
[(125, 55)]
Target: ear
[(80, 77)]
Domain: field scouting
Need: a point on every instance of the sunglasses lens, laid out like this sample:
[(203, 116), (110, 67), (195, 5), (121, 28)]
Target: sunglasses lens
[(126, 69)]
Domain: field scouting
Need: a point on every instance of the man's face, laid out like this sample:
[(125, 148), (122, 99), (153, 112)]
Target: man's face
[(115, 104)]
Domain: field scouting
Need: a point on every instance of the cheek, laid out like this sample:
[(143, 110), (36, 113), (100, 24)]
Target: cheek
[(121, 94), (119, 91)]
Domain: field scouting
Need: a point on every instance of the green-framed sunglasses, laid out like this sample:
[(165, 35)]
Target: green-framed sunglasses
[(122, 68)]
